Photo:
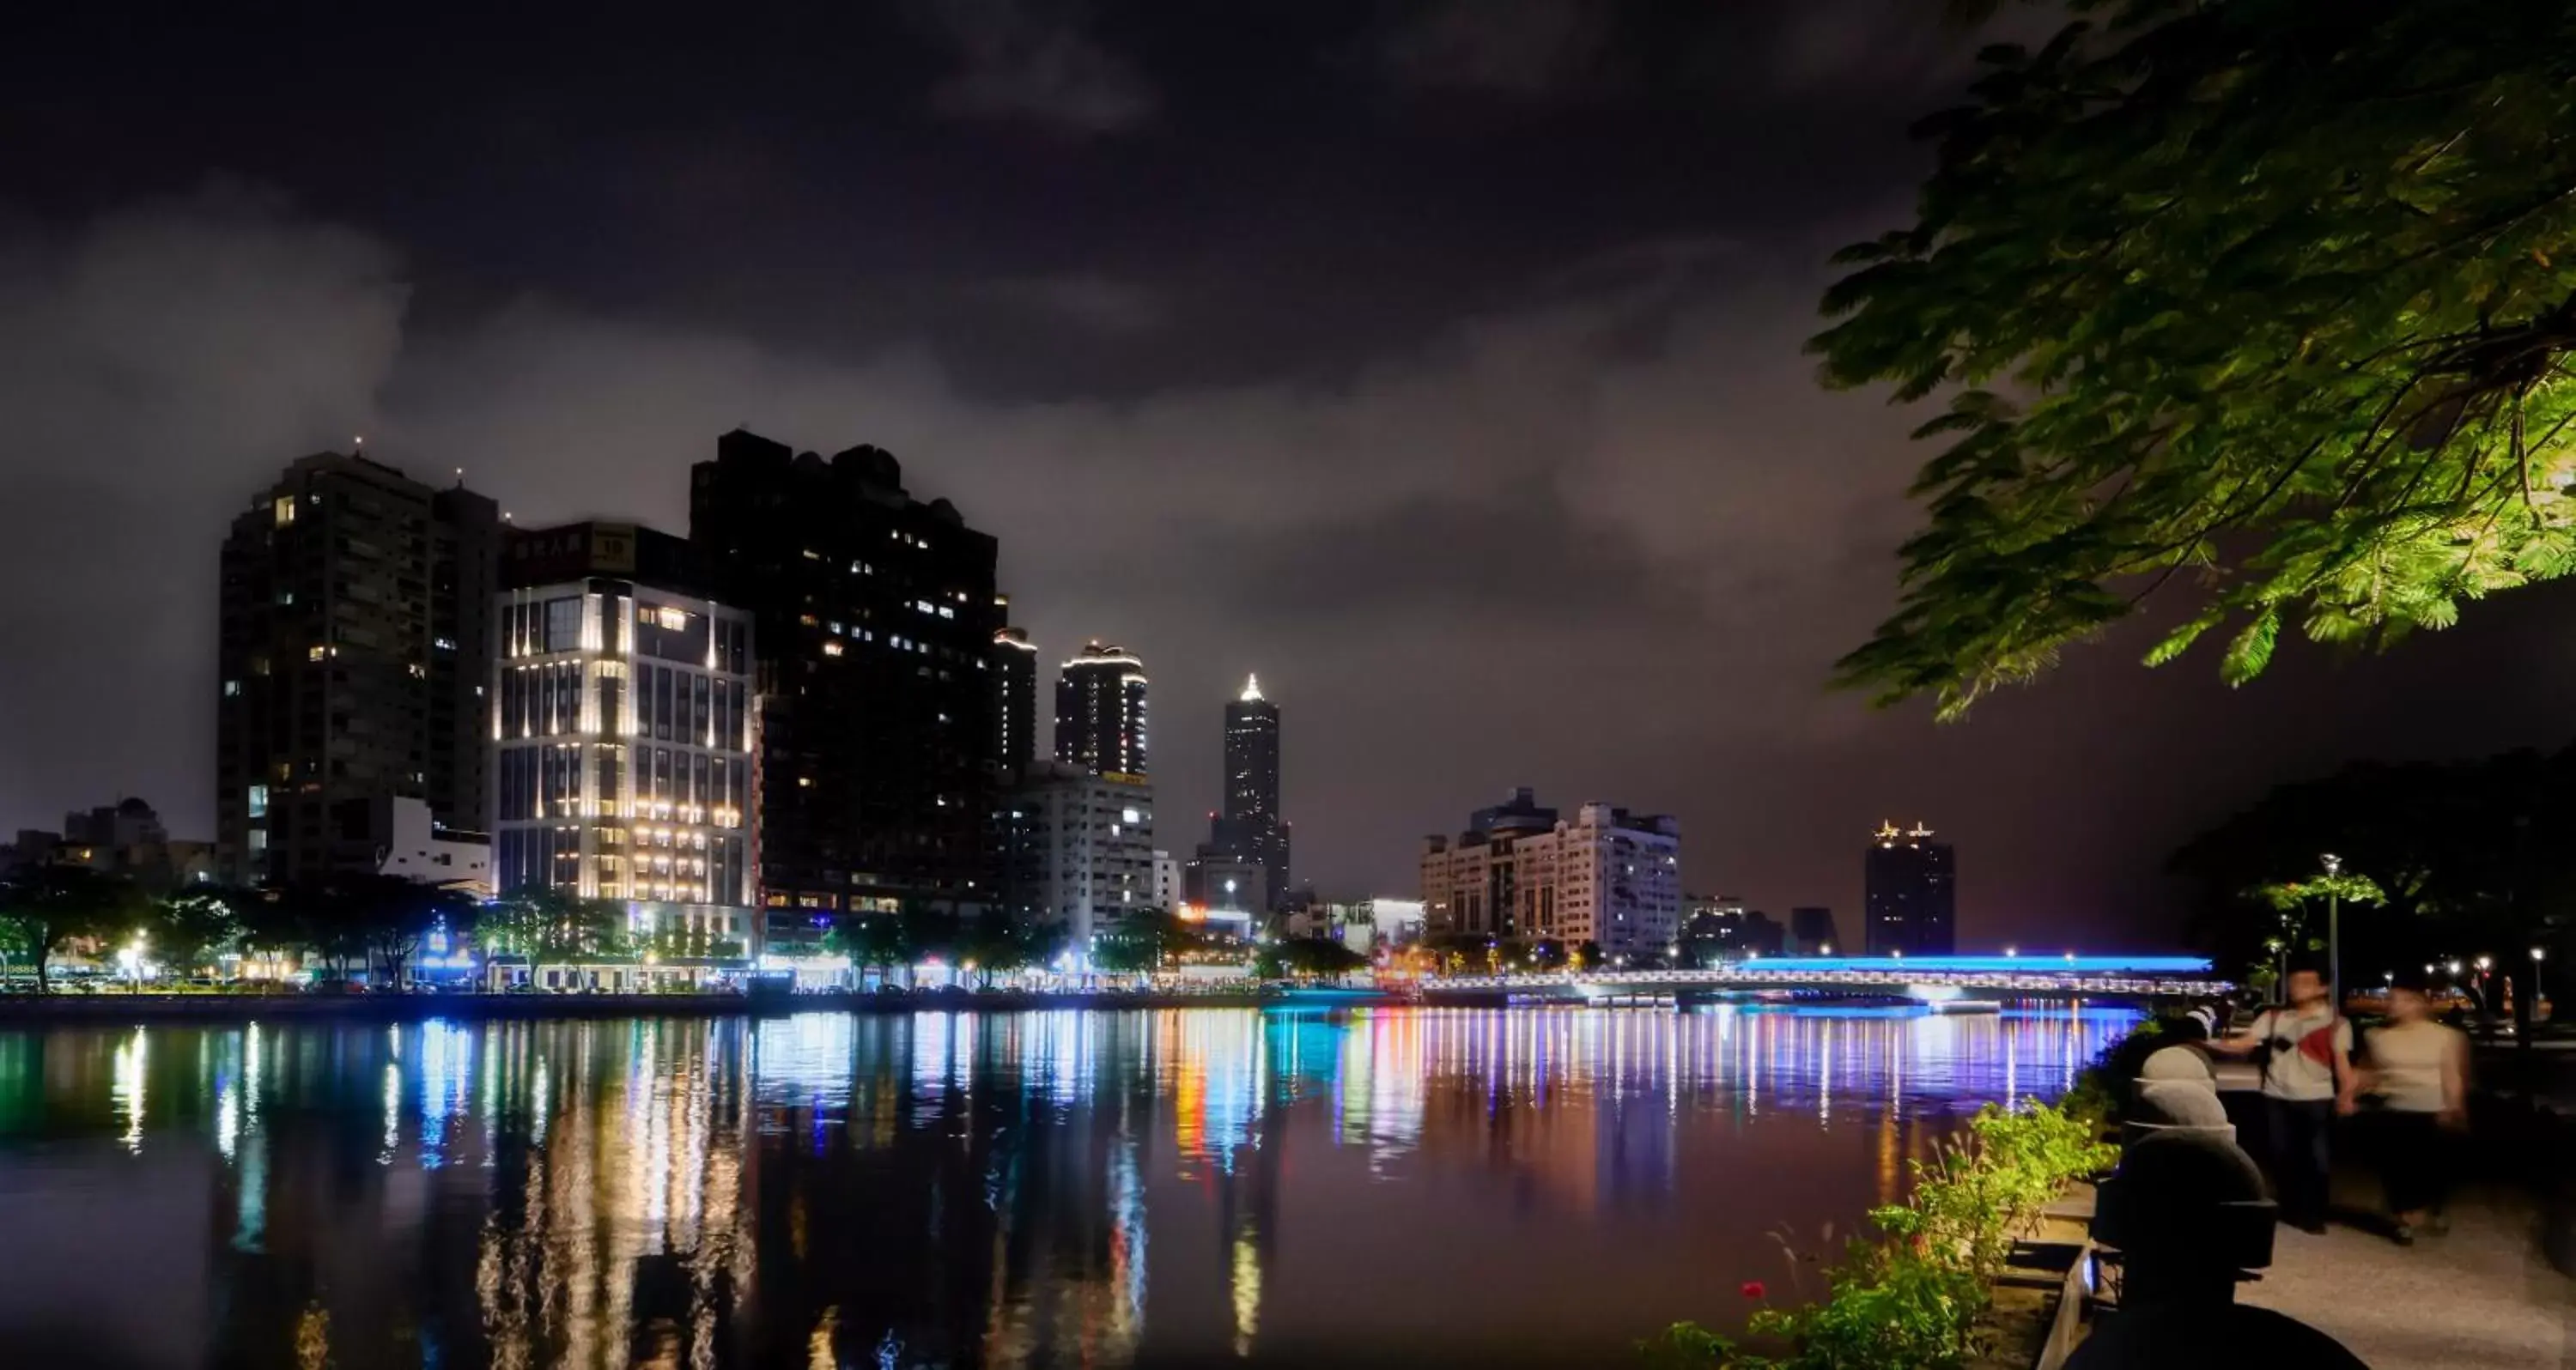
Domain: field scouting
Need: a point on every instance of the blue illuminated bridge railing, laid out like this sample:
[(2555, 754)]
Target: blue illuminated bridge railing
[(2028, 975)]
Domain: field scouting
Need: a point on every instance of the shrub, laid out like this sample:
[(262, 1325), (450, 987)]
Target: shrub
[(1912, 1298)]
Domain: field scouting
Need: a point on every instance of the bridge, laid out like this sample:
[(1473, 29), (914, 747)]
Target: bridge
[(1931, 979)]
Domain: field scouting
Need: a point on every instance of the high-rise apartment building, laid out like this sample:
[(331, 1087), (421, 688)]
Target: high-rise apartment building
[(624, 734), (1912, 895), (1086, 849), (1520, 872), (874, 620), (1015, 700), (354, 652), (1249, 827), (1100, 712)]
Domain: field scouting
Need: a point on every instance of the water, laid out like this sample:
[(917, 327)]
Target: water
[(1095, 1189)]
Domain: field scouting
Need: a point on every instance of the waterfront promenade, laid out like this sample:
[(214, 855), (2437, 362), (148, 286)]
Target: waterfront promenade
[(2483, 1295)]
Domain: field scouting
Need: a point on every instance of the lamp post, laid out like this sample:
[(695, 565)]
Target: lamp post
[(2537, 956), (2334, 933)]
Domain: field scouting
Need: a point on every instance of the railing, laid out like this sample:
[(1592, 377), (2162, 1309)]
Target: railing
[(1746, 976)]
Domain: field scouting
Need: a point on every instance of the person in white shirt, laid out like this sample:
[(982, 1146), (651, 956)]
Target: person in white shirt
[(2305, 1049), (2419, 1071)]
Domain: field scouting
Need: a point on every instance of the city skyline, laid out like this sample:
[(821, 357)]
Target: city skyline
[(1391, 450)]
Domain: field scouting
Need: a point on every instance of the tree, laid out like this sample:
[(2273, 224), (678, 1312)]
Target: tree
[(997, 946), (1306, 958), (2271, 303), (48, 908), (548, 925), (1142, 942), (2464, 855), (374, 921), (190, 929)]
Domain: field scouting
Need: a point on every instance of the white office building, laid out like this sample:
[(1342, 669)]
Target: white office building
[(1520, 872)]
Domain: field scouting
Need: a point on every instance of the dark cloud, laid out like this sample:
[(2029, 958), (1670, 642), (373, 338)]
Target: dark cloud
[(1509, 47), (1036, 61)]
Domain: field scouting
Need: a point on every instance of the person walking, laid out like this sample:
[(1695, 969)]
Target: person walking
[(2419, 1070), (2305, 1049)]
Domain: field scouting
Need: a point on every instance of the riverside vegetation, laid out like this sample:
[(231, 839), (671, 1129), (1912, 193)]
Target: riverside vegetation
[(1912, 1298)]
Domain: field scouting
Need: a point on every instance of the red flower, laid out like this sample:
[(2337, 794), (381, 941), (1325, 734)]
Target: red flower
[(1752, 1289)]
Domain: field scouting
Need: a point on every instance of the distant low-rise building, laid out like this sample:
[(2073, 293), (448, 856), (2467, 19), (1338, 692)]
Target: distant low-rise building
[(125, 838), (1084, 850), (1813, 929), (1521, 872), (418, 847), (1723, 929)]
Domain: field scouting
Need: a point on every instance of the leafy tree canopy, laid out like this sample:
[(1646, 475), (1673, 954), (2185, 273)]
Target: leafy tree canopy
[(2439, 858), (2267, 301), (47, 908)]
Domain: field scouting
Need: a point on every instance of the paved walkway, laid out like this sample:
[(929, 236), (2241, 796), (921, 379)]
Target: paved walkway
[(2480, 1297)]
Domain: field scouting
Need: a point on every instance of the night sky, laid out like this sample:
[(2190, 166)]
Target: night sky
[(1439, 361)]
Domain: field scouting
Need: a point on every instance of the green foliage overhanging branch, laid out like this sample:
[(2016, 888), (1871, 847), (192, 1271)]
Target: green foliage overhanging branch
[(2269, 302), (1912, 1298)]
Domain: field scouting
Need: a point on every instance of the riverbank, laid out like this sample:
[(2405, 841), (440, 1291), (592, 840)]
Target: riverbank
[(111, 1008)]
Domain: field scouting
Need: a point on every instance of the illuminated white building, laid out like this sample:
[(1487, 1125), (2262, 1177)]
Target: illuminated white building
[(624, 731), (1520, 872)]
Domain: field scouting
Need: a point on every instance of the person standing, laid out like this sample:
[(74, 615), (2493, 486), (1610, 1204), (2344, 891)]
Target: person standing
[(2305, 1049), (2419, 1070)]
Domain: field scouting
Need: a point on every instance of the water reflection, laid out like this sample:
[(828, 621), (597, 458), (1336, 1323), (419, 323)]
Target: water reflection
[(1033, 1189)]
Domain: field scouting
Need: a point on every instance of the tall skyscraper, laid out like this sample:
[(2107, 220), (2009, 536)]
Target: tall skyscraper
[(1248, 830), (1015, 700), (354, 652), (873, 620), (1100, 712), (1912, 897), (624, 735), (1520, 872)]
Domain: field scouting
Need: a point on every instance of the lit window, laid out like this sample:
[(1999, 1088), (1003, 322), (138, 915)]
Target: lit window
[(258, 841), (285, 510), (316, 652), (673, 620), (232, 689), (258, 798), (831, 649)]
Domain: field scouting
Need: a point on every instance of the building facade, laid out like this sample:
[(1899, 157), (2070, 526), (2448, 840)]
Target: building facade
[(625, 734), (1087, 850), (874, 617), (1015, 700), (1100, 712), (354, 653), (1520, 872), (1912, 897)]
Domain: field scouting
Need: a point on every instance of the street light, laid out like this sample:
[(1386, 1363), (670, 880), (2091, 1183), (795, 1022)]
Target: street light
[(2538, 955), (2334, 932), (2012, 951)]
